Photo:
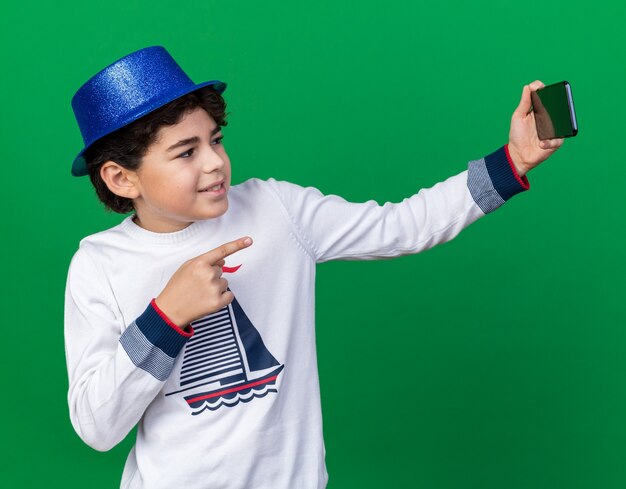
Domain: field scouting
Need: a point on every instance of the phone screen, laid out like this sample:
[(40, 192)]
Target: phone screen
[(554, 111)]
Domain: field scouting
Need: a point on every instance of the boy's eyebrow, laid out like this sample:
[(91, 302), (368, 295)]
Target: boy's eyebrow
[(192, 140), (184, 142)]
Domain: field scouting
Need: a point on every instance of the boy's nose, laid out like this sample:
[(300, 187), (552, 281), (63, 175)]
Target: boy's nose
[(212, 161)]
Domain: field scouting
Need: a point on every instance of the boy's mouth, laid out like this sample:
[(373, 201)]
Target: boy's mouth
[(213, 188)]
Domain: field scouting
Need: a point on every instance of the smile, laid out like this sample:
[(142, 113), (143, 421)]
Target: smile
[(213, 188)]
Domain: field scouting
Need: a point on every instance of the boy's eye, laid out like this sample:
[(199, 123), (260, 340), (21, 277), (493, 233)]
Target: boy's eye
[(187, 153), (217, 141)]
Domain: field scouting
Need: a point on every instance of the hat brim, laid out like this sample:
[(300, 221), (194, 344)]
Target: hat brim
[(79, 166)]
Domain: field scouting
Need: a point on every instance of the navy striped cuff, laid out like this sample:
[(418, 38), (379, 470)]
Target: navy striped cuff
[(493, 180), (152, 344)]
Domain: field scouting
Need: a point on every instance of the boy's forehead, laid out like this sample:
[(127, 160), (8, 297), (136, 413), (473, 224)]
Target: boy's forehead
[(196, 123)]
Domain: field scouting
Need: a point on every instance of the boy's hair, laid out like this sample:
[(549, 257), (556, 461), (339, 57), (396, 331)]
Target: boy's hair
[(129, 144)]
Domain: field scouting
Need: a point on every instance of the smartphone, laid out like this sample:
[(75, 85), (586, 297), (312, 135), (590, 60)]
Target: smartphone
[(555, 116)]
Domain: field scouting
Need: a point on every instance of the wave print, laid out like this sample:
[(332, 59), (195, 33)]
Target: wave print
[(232, 400)]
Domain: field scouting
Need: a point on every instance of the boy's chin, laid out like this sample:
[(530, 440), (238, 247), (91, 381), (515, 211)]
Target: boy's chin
[(218, 210)]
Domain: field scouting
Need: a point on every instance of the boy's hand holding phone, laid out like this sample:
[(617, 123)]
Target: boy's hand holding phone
[(197, 288), (525, 147)]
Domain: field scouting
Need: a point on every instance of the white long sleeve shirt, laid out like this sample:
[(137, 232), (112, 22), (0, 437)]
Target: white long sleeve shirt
[(235, 401)]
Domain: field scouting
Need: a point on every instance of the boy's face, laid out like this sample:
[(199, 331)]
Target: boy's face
[(184, 176)]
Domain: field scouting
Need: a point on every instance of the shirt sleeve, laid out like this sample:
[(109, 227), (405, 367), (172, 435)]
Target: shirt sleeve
[(114, 371), (331, 228)]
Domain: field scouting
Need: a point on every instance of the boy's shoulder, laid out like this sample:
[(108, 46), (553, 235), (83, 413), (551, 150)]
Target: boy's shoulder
[(252, 188), (255, 191), (254, 184), (105, 236)]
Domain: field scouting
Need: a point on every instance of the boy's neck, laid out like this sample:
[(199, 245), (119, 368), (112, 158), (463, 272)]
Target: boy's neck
[(160, 226)]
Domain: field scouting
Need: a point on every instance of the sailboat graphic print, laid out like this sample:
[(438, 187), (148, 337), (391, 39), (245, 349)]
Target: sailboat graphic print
[(226, 362)]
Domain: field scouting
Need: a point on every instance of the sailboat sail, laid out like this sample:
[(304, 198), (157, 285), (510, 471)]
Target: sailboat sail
[(226, 362)]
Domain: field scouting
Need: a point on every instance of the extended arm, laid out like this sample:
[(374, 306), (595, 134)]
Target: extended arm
[(331, 228)]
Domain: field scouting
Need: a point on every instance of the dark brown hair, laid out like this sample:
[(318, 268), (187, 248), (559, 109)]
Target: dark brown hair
[(129, 144)]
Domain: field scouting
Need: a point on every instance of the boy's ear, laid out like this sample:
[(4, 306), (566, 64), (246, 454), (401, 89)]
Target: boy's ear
[(121, 181)]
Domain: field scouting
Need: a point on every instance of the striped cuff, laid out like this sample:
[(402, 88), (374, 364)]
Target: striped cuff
[(493, 180), (152, 342)]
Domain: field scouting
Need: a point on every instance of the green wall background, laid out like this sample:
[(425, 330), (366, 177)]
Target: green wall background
[(494, 361)]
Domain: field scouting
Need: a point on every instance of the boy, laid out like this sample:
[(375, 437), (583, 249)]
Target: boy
[(221, 375)]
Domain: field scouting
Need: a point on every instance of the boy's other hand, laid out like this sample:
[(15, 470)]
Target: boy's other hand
[(197, 288), (525, 148)]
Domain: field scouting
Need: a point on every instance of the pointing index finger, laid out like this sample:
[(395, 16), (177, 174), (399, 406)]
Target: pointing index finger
[(218, 254)]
